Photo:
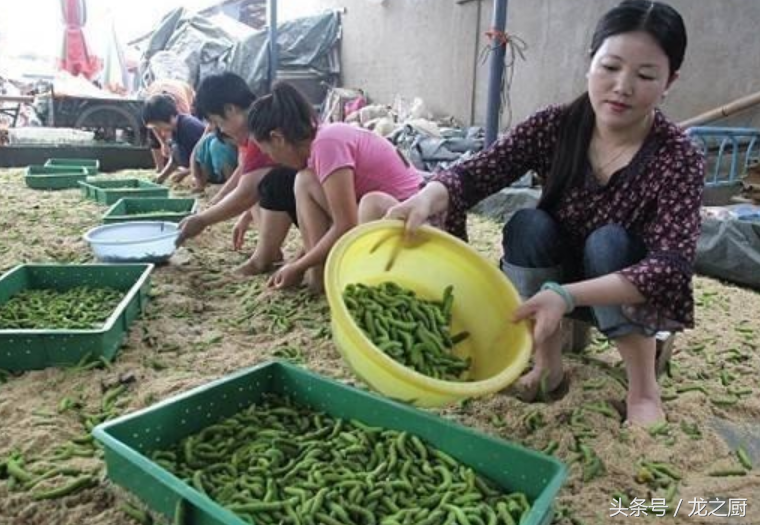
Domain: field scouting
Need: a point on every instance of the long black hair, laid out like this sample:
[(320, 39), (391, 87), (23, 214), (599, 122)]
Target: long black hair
[(286, 110), (661, 22)]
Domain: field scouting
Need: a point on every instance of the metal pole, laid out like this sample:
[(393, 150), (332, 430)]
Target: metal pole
[(475, 63), (496, 72), (274, 57)]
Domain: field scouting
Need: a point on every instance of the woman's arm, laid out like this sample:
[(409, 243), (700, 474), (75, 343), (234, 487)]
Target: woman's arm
[(661, 282), (228, 186), (527, 146), (548, 307), (611, 289), (341, 197), (241, 199), (170, 167), (163, 146), (431, 200), (663, 277)]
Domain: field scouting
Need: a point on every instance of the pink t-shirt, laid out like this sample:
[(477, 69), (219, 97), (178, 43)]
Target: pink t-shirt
[(376, 163)]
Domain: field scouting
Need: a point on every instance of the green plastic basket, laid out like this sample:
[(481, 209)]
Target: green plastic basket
[(129, 209), (109, 191), (91, 165), (129, 440), (35, 349), (54, 177)]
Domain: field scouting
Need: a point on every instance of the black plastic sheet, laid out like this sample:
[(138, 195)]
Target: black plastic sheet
[(306, 43), (730, 250)]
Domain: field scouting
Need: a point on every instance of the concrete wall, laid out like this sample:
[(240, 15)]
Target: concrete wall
[(405, 47), (722, 58), (429, 48)]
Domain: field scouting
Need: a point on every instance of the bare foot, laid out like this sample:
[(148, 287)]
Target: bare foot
[(255, 266), (644, 411), (538, 384), (197, 189)]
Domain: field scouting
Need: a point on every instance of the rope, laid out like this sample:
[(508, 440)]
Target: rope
[(515, 48)]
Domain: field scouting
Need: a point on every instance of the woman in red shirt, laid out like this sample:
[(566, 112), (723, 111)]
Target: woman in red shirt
[(258, 185)]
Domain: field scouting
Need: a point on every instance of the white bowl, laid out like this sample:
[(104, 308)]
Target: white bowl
[(143, 241)]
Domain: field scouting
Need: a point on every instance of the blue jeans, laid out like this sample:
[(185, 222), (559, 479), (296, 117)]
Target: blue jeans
[(215, 155), (534, 253)]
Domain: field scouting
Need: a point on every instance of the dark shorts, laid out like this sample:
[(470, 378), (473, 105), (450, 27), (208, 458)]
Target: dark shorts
[(276, 191)]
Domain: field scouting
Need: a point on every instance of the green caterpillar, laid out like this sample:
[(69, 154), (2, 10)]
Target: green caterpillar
[(278, 462), (80, 308), (413, 331)]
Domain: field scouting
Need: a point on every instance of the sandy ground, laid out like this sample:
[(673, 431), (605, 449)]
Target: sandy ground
[(202, 324)]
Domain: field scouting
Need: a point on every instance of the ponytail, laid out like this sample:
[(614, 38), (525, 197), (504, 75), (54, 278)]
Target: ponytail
[(285, 110), (571, 152)]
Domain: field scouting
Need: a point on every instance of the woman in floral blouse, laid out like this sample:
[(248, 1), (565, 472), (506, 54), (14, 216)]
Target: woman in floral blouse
[(618, 220)]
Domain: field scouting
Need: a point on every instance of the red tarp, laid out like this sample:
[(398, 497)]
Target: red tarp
[(75, 57)]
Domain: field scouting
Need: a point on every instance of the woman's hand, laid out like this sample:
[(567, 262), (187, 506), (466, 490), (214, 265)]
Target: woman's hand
[(546, 309), (288, 276), (414, 214), (189, 228), (416, 211), (180, 174), (238, 232)]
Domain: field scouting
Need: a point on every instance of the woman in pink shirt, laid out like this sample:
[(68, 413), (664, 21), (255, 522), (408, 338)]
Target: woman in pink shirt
[(346, 175)]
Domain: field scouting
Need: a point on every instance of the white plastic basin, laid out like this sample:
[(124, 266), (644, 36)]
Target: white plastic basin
[(144, 241)]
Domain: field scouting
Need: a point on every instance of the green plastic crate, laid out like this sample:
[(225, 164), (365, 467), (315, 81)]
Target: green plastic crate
[(129, 440), (108, 191), (91, 165), (35, 349), (54, 177), (129, 209)]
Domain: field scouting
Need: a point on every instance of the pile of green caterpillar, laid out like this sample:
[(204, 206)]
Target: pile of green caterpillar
[(79, 308), (413, 331), (278, 462)]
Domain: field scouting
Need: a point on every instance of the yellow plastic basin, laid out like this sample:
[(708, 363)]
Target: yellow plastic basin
[(484, 300)]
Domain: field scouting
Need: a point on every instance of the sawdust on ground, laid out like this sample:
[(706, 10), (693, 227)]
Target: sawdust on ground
[(202, 324)]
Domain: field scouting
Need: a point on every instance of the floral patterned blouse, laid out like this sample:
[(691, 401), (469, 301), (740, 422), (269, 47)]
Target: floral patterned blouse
[(656, 197)]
